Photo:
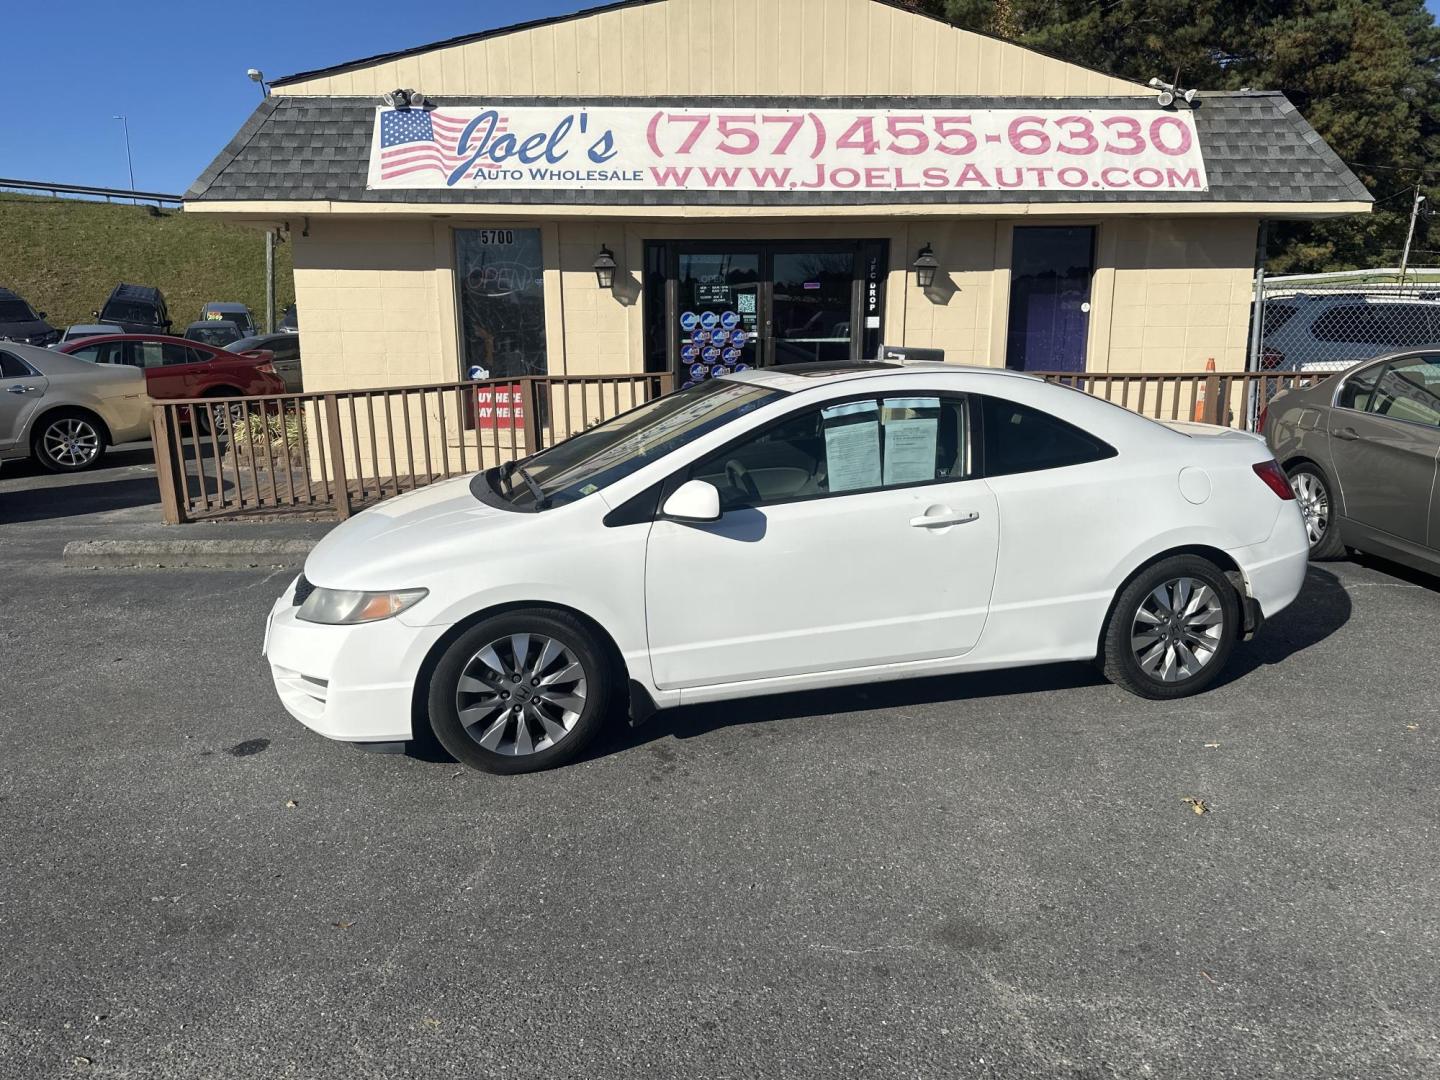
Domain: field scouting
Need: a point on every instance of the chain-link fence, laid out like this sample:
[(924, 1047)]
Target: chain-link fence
[(1328, 322)]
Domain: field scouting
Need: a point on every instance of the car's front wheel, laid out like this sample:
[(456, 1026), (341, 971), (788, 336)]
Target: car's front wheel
[(1172, 629), (68, 441), (521, 691), (1312, 493)]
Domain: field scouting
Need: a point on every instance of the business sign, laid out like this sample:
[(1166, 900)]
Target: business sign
[(499, 407), (786, 150)]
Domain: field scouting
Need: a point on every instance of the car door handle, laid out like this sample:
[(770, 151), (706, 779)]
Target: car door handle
[(21, 389), (938, 521), (1349, 434)]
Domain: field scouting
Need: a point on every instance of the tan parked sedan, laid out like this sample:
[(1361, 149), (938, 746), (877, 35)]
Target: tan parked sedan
[(64, 412)]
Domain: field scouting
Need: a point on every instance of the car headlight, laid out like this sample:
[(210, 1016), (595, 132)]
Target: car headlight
[(343, 607)]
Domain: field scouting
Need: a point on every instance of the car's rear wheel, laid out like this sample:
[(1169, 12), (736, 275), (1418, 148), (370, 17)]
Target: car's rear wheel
[(68, 441), (1312, 493), (221, 417), (521, 691), (1172, 629)]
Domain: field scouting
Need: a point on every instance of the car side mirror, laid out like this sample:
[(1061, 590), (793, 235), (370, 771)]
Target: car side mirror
[(694, 500), (95, 314), (41, 315)]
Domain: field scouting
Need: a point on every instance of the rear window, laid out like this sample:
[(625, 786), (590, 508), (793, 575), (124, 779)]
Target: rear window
[(1020, 439), (1277, 315)]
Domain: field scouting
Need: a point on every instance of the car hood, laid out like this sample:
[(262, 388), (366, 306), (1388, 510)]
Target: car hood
[(25, 329), (404, 540)]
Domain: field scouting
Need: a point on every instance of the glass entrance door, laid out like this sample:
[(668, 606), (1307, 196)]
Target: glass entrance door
[(811, 305), (717, 297), (713, 308)]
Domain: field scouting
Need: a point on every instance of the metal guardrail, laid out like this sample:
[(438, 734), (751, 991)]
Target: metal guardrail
[(109, 194), (339, 452)]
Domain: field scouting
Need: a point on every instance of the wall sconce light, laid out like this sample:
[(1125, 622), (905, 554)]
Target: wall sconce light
[(925, 265), (605, 268)]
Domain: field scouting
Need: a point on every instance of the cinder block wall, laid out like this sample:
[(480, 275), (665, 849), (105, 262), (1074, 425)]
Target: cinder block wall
[(1182, 294)]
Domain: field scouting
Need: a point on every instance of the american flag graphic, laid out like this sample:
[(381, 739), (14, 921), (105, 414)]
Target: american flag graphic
[(417, 140)]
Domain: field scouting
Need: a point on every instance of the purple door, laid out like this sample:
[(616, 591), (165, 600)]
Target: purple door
[(1050, 272)]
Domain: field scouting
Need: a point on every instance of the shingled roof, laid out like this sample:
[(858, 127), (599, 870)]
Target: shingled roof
[(1256, 146)]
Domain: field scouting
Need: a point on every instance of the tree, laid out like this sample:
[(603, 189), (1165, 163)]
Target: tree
[(1362, 72)]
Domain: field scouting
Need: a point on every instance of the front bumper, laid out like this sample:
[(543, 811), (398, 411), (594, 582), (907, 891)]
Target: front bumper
[(350, 683)]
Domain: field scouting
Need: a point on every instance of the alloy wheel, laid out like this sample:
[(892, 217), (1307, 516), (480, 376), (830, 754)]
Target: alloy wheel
[(1314, 503), (71, 442), (1177, 629), (521, 694)]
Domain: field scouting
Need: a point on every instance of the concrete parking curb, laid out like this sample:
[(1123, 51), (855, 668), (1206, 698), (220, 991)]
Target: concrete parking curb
[(195, 554)]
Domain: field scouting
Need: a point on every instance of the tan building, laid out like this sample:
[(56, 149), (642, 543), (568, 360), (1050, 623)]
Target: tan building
[(855, 174)]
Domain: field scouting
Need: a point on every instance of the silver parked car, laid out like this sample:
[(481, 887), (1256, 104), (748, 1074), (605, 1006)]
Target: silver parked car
[(1363, 453), (64, 412)]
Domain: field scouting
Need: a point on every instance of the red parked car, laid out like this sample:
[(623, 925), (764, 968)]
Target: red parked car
[(177, 368)]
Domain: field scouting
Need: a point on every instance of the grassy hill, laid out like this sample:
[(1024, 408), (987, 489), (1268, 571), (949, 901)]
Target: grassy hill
[(65, 255)]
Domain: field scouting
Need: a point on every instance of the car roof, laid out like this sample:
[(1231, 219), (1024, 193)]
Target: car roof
[(795, 377), (164, 339), (99, 328), (126, 291)]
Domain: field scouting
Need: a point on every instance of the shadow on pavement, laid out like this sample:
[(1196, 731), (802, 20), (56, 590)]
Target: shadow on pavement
[(113, 459), (1321, 609), (70, 500)]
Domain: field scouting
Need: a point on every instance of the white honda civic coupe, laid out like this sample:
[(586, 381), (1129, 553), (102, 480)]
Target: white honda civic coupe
[(784, 529)]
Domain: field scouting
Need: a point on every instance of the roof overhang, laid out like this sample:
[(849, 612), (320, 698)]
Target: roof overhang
[(271, 212)]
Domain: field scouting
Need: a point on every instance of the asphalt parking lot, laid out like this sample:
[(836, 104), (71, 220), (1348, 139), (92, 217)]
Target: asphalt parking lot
[(991, 876)]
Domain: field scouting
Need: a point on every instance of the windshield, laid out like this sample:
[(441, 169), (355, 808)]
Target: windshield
[(217, 334), (15, 311), (594, 459), (124, 311)]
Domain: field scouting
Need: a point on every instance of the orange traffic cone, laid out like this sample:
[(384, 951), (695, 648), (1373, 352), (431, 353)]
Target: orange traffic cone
[(1200, 402)]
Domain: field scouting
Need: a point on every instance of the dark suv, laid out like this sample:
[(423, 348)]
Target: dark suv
[(19, 322), (137, 309)]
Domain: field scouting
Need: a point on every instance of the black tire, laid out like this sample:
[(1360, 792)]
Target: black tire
[(1315, 495), (1122, 663), (68, 441), (497, 719)]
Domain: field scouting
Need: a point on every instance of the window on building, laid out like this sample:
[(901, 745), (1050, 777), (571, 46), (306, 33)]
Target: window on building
[(1021, 439), (500, 289)]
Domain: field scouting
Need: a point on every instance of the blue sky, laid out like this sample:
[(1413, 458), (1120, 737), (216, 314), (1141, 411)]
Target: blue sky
[(176, 69)]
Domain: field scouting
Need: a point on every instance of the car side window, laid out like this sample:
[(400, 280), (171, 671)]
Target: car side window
[(841, 449), (178, 354), (1405, 389), (1020, 439), (147, 354), (12, 367)]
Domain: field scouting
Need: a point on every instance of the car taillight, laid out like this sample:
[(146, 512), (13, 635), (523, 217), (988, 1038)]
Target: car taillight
[(265, 369), (1271, 358), (1275, 478), (1264, 415)]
